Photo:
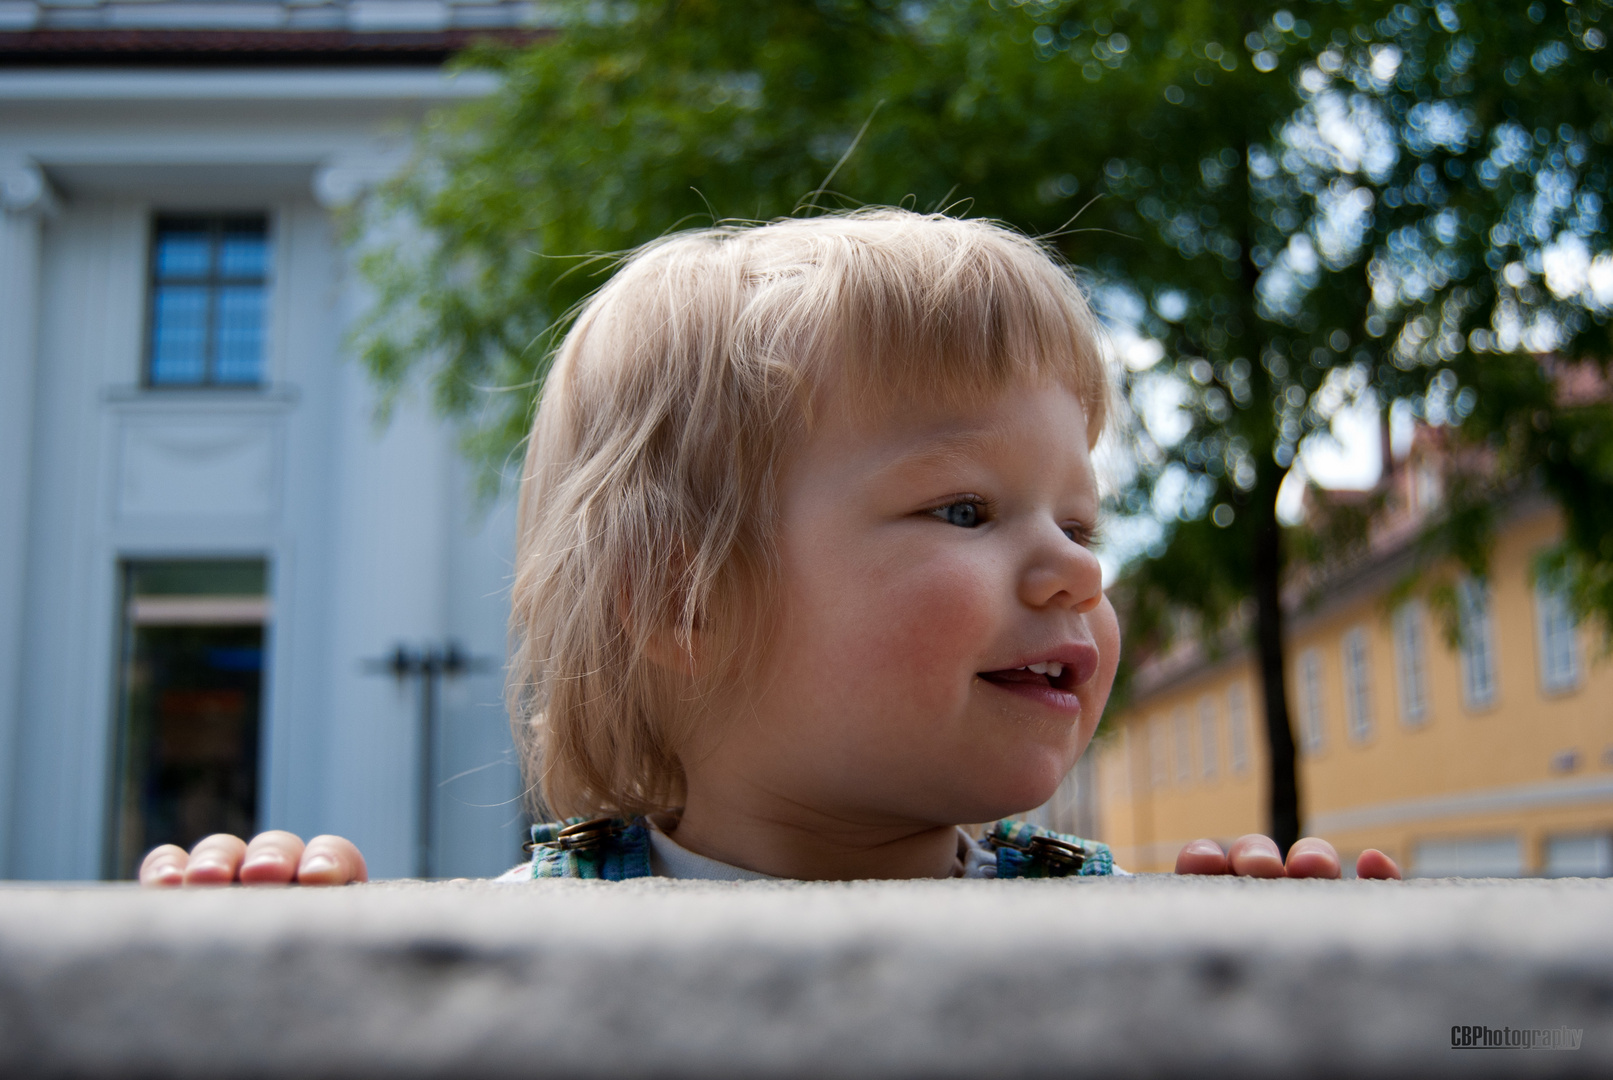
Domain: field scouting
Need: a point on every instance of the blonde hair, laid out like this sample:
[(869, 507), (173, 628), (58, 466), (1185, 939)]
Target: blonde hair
[(648, 501)]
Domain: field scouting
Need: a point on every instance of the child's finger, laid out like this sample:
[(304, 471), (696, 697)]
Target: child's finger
[(331, 860), (164, 866), (271, 858), (1201, 857), (1312, 857), (1374, 864), (214, 860), (1255, 856)]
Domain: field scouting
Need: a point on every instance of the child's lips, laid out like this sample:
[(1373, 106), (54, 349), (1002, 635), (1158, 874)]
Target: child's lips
[(1056, 693), (1063, 669), (1021, 676)]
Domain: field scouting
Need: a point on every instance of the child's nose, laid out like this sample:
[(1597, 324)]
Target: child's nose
[(1066, 575)]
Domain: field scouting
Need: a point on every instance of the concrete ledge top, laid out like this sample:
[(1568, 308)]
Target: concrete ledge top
[(1147, 975)]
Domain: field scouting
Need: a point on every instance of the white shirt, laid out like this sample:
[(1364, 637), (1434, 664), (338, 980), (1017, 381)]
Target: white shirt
[(670, 859)]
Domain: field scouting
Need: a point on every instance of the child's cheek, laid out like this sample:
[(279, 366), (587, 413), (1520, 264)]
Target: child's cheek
[(1105, 627), (929, 625)]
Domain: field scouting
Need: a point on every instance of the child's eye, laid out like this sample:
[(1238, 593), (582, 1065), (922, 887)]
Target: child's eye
[(965, 514), (1085, 535)]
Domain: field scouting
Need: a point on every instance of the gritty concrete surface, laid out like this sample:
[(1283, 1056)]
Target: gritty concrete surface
[(1129, 977)]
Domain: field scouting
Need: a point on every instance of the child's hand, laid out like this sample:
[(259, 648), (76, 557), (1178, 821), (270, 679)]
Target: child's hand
[(272, 858), (1256, 856)]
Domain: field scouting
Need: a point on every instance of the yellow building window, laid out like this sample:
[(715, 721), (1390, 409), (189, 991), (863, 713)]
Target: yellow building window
[(1184, 747), (1557, 637), (1209, 743), (1310, 701), (1468, 856), (1158, 753), (1579, 856), (1357, 685), (1477, 643), (1238, 727), (1411, 676)]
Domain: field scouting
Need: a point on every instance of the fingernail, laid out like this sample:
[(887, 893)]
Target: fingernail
[(1204, 847), (265, 858), (208, 865), (318, 864)]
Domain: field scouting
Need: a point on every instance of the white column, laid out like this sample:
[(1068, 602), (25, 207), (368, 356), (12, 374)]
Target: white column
[(25, 198), (391, 522)]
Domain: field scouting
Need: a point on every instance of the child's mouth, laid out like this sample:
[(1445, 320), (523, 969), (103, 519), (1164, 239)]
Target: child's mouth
[(1051, 674)]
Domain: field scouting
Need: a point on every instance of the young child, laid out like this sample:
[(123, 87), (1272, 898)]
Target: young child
[(805, 581)]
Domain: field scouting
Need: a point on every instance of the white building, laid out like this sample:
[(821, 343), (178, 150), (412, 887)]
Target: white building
[(204, 534)]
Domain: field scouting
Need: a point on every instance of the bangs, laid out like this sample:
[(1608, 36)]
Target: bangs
[(885, 306)]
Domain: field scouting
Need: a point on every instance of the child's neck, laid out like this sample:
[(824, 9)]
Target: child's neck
[(749, 828)]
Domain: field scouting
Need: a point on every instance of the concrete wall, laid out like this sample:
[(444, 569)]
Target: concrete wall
[(929, 979)]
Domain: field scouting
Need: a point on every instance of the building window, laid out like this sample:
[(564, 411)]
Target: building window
[(1310, 701), (1558, 638), (1357, 685), (1184, 747), (1209, 744), (1158, 753), (1411, 677), (1238, 727), (1488, 856), (1579, 856), (209, 280), (1477, 643), (188, 722)]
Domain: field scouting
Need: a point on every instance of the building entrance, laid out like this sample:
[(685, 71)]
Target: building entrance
[(190, 704)]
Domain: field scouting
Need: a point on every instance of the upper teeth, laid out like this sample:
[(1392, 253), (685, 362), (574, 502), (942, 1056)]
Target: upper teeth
[(1050, 667)]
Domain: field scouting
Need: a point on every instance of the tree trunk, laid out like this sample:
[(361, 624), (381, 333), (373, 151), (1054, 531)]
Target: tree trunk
[(1268, 568)]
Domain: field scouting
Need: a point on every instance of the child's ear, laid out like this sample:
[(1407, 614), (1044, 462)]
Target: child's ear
[(665, 645), (672, 651)]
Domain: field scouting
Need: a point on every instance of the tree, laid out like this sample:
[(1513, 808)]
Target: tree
[(1304, 204), (1380, 189)]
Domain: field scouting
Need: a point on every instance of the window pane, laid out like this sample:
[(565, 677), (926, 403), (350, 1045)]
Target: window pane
[(1559, 639), (1478, 664), (197, 577), (1310, 701), (1158, 753), (1579, 856), (244, 254), (1409, 663), (183, 251), (239, 334), (1357, 685), (1238, 726), (179, 334), (1184, 747), (1500, 856)]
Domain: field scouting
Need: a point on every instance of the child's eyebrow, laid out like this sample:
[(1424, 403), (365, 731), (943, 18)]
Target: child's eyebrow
[(949, 448)]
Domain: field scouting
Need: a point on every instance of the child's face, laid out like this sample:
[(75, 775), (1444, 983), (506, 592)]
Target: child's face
[(927, 559)]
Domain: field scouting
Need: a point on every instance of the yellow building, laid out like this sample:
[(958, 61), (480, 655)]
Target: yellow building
[(1491, 758)]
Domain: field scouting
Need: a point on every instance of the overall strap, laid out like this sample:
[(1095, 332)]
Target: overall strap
[(1029, 851), (606, 849)]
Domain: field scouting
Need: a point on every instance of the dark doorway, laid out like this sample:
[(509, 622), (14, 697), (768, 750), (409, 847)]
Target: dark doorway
[(189, 717)]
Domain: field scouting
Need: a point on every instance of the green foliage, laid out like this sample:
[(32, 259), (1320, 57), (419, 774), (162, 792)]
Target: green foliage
[(1288, 266)]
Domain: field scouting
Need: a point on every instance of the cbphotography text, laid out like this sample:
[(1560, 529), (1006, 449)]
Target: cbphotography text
[(1479, 1037)]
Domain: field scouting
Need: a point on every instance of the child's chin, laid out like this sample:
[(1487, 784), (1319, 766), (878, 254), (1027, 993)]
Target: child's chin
[(1011, 795)]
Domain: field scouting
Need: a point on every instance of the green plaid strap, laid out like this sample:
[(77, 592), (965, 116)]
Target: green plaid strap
[(1029, 851), (614, 849), (609, 849)]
